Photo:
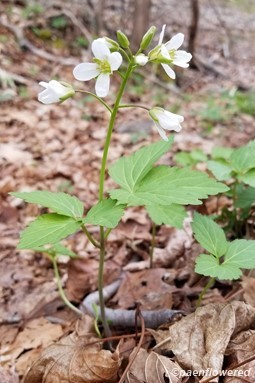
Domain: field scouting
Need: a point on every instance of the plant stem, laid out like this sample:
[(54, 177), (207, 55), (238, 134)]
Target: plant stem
[(207, 287), (60, 289), (110, 129), (153, 241), (101, 196), (90, 238), (95, 96), (133, 106)]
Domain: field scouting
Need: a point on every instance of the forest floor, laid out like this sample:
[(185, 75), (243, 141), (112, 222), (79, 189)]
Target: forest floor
[(59, 148)]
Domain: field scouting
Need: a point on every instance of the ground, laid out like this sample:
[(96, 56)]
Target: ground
[(59, 147)]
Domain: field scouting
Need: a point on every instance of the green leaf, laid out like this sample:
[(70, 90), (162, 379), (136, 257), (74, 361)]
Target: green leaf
[(241, 253), (222, 153), (209, 266), (248, 178), (60, 203), (198, 155), (105, 213), (220, 169), (172, 215), (243, 159), (210, 235), (128, 171), (245, 197), (48, 228), (183, 159), (164, 185)]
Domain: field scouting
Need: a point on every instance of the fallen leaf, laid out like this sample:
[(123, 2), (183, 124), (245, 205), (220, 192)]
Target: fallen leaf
[(248, 285), (152, 367), (199, 340), (146, 287), (241, 348), (73, 360)]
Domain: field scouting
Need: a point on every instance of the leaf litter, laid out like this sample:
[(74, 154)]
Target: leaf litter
[(57, 148)]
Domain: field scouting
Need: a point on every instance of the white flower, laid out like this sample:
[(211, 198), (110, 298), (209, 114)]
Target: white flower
[(104, 64), (141, 59), (165, 120), (169, 51), (55, 92)]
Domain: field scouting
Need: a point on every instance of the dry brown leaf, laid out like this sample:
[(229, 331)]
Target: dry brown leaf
[(199, 340), (38, 332), (145, 287), (72, 360), (8, 376), (152, 367), (242, 347), (248, 285)]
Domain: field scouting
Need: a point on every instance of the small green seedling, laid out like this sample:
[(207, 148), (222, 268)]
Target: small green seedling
[(225, 259)]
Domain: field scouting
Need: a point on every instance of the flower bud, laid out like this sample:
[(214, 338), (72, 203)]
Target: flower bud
[(111, 44), (146, 40), (122, 39), (141, 59)]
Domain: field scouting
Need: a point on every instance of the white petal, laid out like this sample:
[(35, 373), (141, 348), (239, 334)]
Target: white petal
[(182, 58), (48, 97), (161, 132), (165, 52), (169, 71), (161, 36), (102, 85), (86, 71), (100, 50), (115, 60), (44, 84), (174, 116), (175, 42), (57, 88)]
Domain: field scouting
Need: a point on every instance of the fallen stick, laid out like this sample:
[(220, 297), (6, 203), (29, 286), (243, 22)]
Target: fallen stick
[(126, 318)]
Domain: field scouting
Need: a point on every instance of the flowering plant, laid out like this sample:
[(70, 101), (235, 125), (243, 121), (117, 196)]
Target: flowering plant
[(162, 190)]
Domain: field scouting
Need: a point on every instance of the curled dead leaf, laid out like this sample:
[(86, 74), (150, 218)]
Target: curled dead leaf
[(152, 367), (74, 360)]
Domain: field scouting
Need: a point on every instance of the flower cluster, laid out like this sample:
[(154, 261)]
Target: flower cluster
[(108, 58)]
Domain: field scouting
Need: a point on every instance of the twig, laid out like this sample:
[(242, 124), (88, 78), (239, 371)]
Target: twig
[(126, 318)]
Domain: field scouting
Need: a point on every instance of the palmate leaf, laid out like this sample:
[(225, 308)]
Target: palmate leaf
[(210, 235), (47, 229), (128, 171), (209, 266), (60, 203), (172, 215), (105, 213), (163, 185)]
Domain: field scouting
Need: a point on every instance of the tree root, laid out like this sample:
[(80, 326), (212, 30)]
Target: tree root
[(126, 318)]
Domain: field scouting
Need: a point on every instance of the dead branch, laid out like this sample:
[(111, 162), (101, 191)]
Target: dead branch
[(126, 318)]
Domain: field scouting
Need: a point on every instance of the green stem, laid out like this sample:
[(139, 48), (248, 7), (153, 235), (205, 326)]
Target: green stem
[(125, 54), (98, 98), (207, 287), (107, 232), (153, 241), (134, 106), (101, 196), (110, 129), (60, 289), (90, 238)]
